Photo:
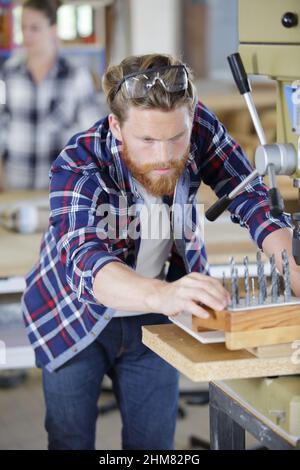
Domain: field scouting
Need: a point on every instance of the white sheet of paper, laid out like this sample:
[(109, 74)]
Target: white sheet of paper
[(184, 321)]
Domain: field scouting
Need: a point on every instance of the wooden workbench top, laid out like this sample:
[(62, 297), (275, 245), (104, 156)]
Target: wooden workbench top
[(18, 252), (209, 362)]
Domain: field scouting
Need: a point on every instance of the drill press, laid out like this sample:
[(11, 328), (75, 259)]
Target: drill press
[(269, 33)]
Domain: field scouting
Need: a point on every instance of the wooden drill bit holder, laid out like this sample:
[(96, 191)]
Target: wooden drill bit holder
[(255, 325)]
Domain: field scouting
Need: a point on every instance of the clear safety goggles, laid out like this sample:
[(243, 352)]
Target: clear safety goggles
[(173, 78)]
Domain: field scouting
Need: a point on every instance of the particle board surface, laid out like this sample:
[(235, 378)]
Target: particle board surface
[(209, 362)]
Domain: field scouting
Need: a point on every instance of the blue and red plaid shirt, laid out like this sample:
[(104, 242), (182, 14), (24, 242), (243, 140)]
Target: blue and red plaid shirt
[(61, 313)]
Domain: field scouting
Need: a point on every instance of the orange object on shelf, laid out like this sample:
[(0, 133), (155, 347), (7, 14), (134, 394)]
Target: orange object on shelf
[(6, 26)]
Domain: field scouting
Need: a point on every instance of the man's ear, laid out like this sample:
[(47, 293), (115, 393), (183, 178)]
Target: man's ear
[(115, 127)]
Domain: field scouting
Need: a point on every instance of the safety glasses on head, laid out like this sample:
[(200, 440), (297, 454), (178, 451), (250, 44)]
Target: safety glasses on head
[(173, 78)]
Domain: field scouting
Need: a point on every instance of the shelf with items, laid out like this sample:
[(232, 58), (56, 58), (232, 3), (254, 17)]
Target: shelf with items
[(6, 30)]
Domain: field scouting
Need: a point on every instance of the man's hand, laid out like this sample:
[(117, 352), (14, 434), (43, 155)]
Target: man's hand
[(187, 293)]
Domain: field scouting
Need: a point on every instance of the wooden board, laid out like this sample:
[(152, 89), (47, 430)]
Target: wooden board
[(249, 339), (273, 350), (208, 362)]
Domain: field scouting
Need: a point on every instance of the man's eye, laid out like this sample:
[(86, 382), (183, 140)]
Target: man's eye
[(178, 137), (148, 141)]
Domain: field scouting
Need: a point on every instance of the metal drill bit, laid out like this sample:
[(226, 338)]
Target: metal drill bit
[(265, 286), (253, 290), (286, 276), (224, 279), (260, 278), (237, 291), (232, 277), (274, 280), (246, 278)]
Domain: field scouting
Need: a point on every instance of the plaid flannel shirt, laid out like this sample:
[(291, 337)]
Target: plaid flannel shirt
[(61, 313), (36, 120)]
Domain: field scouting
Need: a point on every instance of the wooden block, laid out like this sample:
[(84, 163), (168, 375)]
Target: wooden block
[(216, 321), (249, 339), (254, 327), (250, 319), (274, 350), (260, 318)]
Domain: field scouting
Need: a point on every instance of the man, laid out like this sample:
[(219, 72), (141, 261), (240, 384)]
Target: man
[(98, 277)]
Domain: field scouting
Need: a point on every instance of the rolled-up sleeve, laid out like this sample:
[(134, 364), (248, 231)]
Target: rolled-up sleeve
[(223, 166)]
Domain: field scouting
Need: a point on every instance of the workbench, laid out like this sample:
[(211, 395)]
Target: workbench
[(235, 405), (18, 253)]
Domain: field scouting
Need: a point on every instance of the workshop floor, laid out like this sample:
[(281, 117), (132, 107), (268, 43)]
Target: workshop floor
[(22, 415)]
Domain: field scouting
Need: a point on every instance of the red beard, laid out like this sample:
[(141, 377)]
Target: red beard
[(159, 185)]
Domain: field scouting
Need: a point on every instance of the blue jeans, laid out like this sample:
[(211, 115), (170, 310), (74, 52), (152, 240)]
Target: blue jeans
[(146, 388)]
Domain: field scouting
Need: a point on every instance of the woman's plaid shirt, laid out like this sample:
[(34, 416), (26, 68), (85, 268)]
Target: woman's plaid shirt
[(36, 120)]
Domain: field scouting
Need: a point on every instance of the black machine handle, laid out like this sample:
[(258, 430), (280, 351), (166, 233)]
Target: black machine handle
[(239, 73), (276, 202), (217, 208)]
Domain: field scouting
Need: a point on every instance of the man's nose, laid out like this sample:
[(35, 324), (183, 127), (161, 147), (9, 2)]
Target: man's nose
[(165, 152)]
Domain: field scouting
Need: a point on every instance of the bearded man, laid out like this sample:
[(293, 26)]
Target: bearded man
[(108, 265)]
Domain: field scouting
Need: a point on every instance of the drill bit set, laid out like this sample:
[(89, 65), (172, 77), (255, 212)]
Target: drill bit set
[(256, 289), (266, 314)]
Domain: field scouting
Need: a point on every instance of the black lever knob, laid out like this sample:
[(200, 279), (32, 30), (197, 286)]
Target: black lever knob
[(217, 208), (239, 73), (276, 202), (289, 20)]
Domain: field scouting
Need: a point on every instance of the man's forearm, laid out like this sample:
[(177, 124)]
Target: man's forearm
[(118, 286)]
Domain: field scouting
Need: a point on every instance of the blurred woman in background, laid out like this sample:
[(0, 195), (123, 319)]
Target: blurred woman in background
[(47, 100)]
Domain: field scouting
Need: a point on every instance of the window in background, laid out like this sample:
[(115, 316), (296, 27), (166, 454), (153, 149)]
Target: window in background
[(76, 24), (85, 21), (17, 30), (66, 23)]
